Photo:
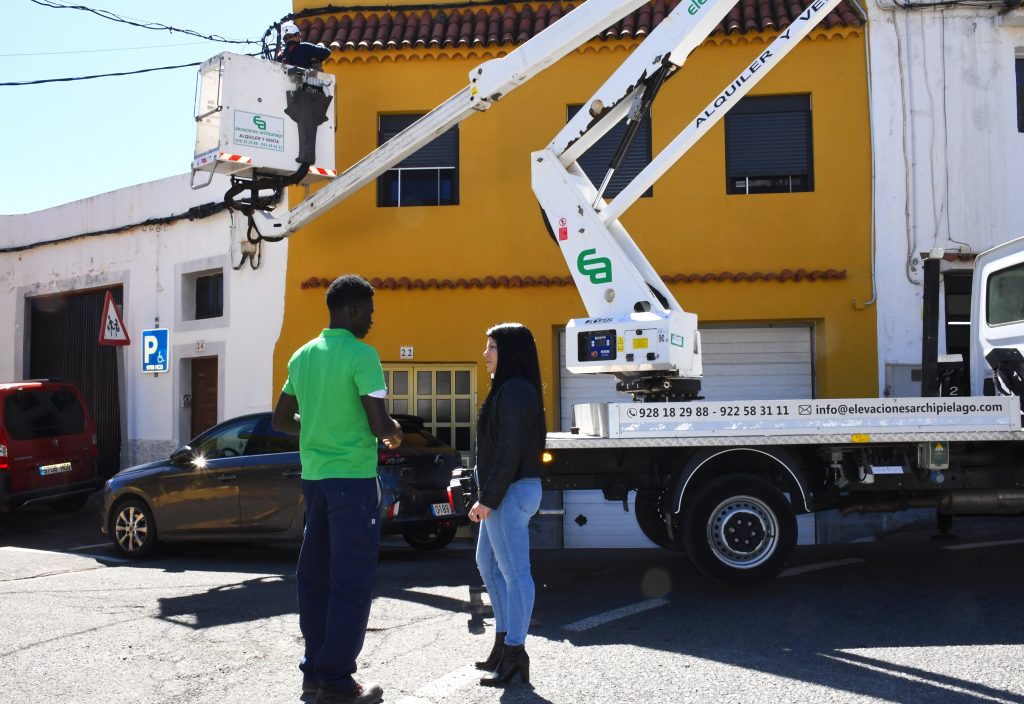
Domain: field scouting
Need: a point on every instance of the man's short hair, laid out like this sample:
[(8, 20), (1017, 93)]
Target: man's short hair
[(348, 289)]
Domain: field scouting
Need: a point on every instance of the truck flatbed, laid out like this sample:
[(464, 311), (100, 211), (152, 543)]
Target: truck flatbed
[(793, 422)]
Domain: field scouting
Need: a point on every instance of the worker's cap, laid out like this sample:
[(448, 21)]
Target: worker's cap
[(289, 28)]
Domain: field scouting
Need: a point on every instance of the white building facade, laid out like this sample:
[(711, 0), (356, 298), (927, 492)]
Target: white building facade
[(222, 307), (948, 143)]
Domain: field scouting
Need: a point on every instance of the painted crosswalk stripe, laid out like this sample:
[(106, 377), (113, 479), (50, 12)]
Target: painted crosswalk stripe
[(613, 615), (443, 686), (102, 558), (992, 544), (820, 566)]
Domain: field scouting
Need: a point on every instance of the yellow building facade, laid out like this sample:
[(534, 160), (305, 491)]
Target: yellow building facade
[(447, 273)]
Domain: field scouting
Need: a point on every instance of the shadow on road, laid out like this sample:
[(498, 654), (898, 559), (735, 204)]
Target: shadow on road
[(815, 628), (402, 575), (830, 628)]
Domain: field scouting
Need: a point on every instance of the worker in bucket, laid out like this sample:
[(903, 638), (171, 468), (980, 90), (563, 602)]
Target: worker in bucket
[(296, 52)]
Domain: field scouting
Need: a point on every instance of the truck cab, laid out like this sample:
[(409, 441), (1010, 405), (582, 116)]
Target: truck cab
[(997, 322)]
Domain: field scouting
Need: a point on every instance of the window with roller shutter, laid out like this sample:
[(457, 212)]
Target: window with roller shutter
[(768, 145)]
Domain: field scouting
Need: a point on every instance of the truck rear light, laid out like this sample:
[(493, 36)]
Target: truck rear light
[(4, 462), (451, 498)]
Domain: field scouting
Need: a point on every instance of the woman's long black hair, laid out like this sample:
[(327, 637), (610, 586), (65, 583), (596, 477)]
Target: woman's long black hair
[(517, 356)]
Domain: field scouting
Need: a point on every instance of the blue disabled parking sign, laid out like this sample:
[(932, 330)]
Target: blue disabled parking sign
[(155, 355)]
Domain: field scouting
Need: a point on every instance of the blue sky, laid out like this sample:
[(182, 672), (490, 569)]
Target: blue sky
[(60, 142)]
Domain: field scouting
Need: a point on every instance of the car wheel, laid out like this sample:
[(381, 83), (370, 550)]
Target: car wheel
[(133, 528), (648, 516), (430, 539), (739, 530), (70, 504)]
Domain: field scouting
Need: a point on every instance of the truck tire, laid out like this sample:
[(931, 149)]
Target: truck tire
[(739, 529), (648, 516)]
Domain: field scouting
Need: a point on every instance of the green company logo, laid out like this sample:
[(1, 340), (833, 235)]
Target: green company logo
[(676, 340), (259, 122), (597, 269)]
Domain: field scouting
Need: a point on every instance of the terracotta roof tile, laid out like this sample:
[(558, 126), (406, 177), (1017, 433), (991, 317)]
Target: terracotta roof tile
[(405, 283), (415, 27)]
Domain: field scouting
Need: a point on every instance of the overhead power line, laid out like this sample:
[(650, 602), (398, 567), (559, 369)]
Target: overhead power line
[(107, 15), (99, 51), (103, 75), (98, 75), (197, 212)]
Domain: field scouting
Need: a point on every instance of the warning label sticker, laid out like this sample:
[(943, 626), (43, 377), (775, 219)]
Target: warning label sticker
[(260, 131)]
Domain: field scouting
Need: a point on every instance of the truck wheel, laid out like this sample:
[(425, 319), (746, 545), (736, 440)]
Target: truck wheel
[(133, 528), (431, 539), (649, 518), (739, 529)]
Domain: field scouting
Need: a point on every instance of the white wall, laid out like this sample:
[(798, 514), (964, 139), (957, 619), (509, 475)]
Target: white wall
[(148, 262), (949, 160)]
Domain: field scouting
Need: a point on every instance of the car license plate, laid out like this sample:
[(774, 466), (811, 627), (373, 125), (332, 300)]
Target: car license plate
[(60, 467), (442, 509)]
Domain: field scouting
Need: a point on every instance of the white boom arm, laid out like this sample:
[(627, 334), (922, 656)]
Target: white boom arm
[(487, 83), (636, 330)]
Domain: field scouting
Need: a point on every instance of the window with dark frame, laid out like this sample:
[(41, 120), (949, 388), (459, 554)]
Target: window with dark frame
[(209, 296), (1020, 93), (596, 160), (956, 285), (430, 176), (768, 145), (1005, 296)]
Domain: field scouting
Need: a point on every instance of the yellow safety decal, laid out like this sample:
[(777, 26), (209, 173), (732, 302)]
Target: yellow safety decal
[(621, 344), (639, 343), (860, 437)]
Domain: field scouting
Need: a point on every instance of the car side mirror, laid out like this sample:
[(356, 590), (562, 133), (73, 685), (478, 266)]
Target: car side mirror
[(182, 456)]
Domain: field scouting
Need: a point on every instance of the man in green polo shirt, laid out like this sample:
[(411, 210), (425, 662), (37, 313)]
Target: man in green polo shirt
[(333, 400)]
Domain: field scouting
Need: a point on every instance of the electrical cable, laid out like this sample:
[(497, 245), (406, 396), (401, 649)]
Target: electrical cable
[(101, 51), (97, 75), (101, 75), (197, 212), (107, 15)]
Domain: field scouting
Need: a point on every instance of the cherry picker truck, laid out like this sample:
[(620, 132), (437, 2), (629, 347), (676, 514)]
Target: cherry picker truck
[(722, 482)]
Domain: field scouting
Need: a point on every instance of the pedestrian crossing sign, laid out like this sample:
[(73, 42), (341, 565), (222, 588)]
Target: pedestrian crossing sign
[(112, 329)]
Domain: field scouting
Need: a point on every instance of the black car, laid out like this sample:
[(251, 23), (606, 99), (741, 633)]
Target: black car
[(240, 480)]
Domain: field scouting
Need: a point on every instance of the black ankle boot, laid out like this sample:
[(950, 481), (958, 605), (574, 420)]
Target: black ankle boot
[(513, 660), (491, 663)]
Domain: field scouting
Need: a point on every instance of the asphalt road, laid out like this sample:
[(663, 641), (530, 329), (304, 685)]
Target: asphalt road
[(908, 619)]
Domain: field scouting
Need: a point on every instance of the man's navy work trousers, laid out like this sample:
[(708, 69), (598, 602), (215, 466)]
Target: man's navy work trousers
[(335, 576)]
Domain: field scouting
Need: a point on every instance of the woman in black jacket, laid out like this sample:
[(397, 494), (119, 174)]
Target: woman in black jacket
[(510, 440)]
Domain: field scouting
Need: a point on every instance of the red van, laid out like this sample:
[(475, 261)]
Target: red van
[(47, 446)]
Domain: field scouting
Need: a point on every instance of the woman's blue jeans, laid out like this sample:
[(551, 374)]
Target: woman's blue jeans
[(503, 556)]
